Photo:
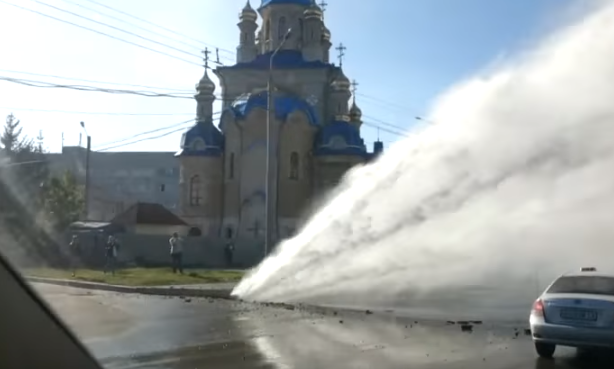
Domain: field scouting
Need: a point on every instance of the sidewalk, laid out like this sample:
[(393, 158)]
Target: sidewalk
[(212, 290)]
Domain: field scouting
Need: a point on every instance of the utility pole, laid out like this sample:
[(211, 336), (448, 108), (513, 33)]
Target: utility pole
[(87, 173), (268, 234)]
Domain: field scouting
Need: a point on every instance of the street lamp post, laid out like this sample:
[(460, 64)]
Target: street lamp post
[(87, 172), (267, 179)]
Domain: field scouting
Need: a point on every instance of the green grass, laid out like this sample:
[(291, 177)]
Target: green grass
[(141, 276)]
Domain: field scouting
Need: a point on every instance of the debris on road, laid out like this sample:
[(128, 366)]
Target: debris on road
[(466, 328)]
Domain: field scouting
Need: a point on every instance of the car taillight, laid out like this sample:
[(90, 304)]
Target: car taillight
[(538, 308)]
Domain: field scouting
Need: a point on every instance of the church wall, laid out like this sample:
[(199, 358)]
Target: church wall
[(295, 179), (329, 170), (292, 13), (232, 177), (252, 174), (205, 212)]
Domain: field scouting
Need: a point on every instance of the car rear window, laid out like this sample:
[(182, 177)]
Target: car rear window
[(584, 284)]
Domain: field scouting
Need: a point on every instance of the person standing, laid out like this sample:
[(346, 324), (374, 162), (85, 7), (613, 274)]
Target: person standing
[(176, 253), (111, 251), (75, 254), (229, 251)]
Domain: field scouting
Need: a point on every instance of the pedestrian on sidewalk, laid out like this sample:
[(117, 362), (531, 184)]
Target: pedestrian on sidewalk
[(111, 251), (176, 253), (74, 254), (229, 251)]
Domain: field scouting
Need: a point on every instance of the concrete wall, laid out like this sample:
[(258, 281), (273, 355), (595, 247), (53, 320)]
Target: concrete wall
[(154, 250), (119, 179)]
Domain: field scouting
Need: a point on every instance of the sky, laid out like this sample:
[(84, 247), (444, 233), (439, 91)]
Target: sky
[(402, 53)]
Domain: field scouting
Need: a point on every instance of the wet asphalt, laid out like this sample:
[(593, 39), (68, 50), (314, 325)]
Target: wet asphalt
[(133, 331)]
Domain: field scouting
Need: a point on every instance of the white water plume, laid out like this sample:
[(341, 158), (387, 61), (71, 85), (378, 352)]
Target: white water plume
[(514, 182)]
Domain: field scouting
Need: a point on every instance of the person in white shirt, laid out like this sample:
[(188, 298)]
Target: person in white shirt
[(176, 253)]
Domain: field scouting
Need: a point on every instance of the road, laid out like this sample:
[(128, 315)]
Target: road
[(132, 331)]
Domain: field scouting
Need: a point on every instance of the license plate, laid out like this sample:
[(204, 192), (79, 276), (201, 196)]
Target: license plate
[(579, 314)]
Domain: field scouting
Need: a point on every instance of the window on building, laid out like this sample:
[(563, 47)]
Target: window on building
[(195, 195), (267, 30), (231, 166), (195, 232), (282, 28), (301, 27), (294, 164), (229, 232)]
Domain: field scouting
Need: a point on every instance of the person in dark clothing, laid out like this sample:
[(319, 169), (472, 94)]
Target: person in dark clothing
[(176, 244), (229, 251), (75, 254), (111, 250)]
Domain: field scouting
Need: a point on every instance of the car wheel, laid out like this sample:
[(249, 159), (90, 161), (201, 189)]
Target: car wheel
[(545, 350)]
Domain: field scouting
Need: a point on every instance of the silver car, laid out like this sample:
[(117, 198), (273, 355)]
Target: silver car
[(576, 310)]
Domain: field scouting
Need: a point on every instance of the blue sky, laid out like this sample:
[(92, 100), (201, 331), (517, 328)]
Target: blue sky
[(403, 53)]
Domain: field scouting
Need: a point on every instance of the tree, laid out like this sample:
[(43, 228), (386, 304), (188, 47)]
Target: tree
[(63, 200), (23, 164), (12, 139)]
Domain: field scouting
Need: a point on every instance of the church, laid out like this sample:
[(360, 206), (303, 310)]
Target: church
[(313, 129)]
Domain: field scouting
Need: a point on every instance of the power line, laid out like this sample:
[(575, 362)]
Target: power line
[(388, 103), (98, 32), (132, 24), (93, 81), (394, 129), (157, 25), (115, 28), (91, 112), (388, 130), (175, 125), (41, 84), (141, 140)]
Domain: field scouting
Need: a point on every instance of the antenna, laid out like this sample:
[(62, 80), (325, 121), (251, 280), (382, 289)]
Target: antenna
[(217, 55)]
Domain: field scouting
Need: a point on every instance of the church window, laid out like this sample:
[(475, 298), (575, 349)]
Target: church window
[(198, 144), (229, 232), (301, 27), (294, 163), (267, 30), (282, 28), (231, 166), (195, 195), (243, 37)]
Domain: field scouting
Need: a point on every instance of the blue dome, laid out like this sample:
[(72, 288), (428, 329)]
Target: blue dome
[(202, 139), (339, 138), (284, 106), (296, 2)]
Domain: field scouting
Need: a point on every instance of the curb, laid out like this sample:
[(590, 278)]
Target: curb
[(155, 291)]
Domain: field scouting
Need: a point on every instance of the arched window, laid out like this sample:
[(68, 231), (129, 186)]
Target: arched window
[(282, 28), (301, 27), (195, 195), (231, 166), (195, 232), (267, 30), (294, 163), (229, 232), (243, 37)]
